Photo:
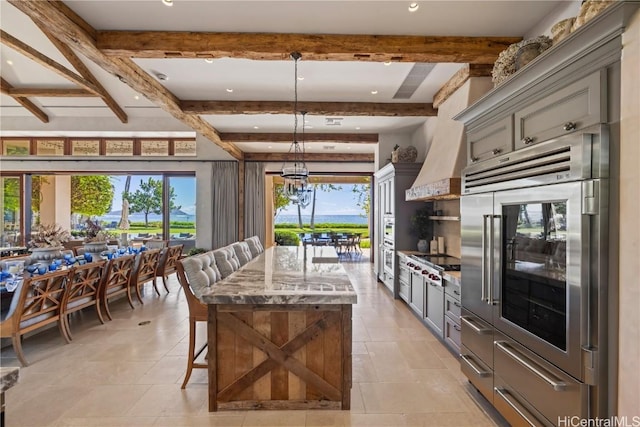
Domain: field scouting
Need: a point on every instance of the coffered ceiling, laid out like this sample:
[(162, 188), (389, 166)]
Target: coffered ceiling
[(367, 68)]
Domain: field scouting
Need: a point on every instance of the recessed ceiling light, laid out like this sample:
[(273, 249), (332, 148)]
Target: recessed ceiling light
[(348, 148), (269, 146), (167, 2), (162, 77), (10, 62), (229, 90), (357, 127), (301, 78), (387, 63), (374, 92), (309, 127), (256, 127), (136, 97), (208, 60), (413, 7)]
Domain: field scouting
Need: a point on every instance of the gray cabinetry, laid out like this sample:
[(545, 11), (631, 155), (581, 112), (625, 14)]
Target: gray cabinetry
[(404, 278), (416, 300), (572, 108), (434, 308), (490, 140), (452, 311)]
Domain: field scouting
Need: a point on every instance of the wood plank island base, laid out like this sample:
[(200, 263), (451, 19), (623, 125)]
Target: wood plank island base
[(279, 334)]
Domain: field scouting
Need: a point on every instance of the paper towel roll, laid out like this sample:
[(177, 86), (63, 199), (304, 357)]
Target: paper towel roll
[(441, 249)]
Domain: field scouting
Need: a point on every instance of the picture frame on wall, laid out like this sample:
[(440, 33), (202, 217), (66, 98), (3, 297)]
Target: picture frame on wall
[(118, 147), (184, 147), (154, 147), (16, 147), (85, 147), (50, 147)]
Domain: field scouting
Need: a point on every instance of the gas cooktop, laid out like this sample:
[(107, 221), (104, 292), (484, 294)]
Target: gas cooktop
[(444, 262)]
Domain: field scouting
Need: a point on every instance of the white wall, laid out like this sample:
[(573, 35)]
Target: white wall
[(566, 9)]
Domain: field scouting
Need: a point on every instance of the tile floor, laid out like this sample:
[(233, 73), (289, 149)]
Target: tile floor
[(125, 373)]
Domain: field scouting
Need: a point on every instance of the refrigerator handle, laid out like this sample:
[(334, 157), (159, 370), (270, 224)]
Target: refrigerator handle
[(491, 300), (483, 259)]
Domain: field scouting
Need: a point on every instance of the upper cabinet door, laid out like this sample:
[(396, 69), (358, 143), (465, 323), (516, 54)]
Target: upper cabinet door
[(492, 140), (572, 108)]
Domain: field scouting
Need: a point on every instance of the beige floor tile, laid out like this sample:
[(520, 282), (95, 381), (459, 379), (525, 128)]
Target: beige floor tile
[(201, 421), (169, 400), (375, 420), (167, 370), (406, 397), (274, 418), (107, 401), (448, 419), (325, 419), (420, 355), (363, 369), (107, 422)]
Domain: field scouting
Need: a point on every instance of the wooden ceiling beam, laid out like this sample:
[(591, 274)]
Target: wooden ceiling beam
[(57, 19), (5, 87), (50, 92), (458, 79), (311, 157), (26, 50), (314, 47), (84, 71), (351, 138), (312, 108)]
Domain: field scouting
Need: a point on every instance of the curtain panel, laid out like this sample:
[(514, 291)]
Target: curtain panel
[(224, 203), (254, 200)]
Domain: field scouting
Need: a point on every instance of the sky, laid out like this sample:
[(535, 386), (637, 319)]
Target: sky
[(336, 202)]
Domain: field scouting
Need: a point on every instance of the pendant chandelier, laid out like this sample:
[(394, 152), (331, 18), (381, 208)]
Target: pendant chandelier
[(295, 173)]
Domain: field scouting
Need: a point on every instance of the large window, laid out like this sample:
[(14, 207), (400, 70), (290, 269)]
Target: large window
[(11, 211)]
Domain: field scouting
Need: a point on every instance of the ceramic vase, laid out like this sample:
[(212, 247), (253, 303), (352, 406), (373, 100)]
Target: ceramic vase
[(423, 245), (95, 249), (46, 254)]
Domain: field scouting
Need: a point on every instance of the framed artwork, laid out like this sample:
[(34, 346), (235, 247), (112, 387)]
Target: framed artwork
[(50, 147), (154, 147), (16, 147), (184, 147), (119, 147), (85, 147)]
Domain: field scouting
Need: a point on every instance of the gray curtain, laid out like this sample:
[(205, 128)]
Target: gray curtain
[(254, 209), (224, 203)]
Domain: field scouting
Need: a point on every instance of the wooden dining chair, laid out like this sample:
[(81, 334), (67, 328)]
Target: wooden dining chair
[(168, 264), (83, 290), (145, 271), (116, 282), (36, 303), (198, 265)]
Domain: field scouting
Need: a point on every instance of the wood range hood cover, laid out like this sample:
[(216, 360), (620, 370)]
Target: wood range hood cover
[(439, 178)]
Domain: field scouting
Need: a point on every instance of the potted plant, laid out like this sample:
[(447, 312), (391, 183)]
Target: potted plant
[(421, 227), (96, 238), (47, 242)]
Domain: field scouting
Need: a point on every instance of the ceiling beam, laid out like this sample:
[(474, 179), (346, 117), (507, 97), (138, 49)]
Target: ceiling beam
[(57, 19), (77, 63), (314, 47), (50, 92), (5, 87), (458, 79), (313, 108), (26, 50), (352, 138), (311, 157)]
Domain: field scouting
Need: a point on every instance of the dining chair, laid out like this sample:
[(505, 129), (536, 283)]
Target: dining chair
[(36, 303), (168, 264), (83, 290), (117, 281), (156, 243), (145, 271), (195, 274)]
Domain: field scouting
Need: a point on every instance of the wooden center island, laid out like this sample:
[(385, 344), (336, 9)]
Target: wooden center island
[(279, 333)]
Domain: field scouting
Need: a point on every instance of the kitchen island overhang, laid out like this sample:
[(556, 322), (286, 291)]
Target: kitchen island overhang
[(280, 334)]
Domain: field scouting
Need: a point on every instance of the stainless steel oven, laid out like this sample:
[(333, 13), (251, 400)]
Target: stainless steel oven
[(534, 277), (389, 229), (388, 258)]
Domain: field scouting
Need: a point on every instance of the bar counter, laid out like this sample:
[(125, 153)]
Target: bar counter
[(279, 333)]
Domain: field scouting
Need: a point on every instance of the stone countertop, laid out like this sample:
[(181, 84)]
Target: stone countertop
[(453, 276), (8, 377), (285, 275)]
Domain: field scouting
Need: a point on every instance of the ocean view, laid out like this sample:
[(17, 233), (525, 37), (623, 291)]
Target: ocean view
[(319, 219)]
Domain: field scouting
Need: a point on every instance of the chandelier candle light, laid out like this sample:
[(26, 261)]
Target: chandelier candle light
[(296, 175)]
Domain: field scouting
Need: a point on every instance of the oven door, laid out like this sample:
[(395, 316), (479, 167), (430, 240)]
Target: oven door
[(388, 258), (540, 274)]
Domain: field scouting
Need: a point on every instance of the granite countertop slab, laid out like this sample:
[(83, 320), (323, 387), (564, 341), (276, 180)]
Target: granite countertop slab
[(8, 377), (453, 276), (285, 275)]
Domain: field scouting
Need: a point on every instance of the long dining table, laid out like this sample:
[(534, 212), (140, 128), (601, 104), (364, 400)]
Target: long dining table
[(279, 333)]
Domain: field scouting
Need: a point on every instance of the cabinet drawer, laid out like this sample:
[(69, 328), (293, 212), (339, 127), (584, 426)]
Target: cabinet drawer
[(491, 140), (452, 334), (477, 336), (479, 374), (514, 408), (451, 288), (569, 109), (452, 307), (403, 290), (404, 273), (550, 390)]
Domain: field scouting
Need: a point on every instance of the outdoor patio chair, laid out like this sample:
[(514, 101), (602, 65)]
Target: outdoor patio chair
[(36, 303)]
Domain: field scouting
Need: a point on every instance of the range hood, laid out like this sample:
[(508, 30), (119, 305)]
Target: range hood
[(439, 178)]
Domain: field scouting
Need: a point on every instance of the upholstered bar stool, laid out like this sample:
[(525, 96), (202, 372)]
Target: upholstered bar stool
[(255, 246), (243, 253), (195, 274), (226, 260)]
